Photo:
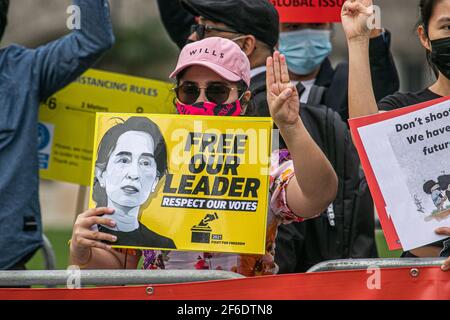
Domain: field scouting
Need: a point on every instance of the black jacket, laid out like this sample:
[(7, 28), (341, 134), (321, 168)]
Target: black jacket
[(384, 73)]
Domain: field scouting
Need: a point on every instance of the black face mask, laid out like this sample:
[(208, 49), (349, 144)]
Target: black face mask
[(440, 55)]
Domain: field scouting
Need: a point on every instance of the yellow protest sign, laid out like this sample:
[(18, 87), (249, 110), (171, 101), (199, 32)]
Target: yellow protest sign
[(183, 182), (67, 119)]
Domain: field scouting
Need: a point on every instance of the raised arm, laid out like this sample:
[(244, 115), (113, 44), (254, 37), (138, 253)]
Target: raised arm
[(314, 186), (355, 14), (60, 62)]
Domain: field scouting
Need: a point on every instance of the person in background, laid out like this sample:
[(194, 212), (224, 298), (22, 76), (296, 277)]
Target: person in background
[(305, 45), (254, 25), (434, 34), (187, 21), (28, 77)]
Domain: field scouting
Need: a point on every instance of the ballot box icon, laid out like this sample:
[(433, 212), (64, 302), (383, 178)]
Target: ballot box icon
[(201, 233)]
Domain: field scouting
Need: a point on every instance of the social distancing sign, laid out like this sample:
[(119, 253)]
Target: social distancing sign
[(182, 182), (67, 119)]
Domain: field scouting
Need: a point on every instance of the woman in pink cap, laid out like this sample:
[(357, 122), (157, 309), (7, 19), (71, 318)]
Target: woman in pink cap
[(213, 77)]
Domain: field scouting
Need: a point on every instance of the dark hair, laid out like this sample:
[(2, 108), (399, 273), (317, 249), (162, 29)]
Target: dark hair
[(109, 142), (251, 108), (426, 8), (444, 183), (428, 186), (4, 5)]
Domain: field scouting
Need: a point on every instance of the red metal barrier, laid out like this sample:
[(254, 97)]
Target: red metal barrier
[(428, 283)]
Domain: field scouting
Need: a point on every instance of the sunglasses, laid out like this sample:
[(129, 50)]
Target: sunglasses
[(201, 29), (188, 93)]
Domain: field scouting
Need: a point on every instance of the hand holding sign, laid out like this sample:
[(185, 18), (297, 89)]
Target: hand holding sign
[(282, 96), (84, 238), (356, 15)]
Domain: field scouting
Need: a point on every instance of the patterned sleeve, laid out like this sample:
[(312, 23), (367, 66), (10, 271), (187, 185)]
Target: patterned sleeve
[(281, 173), (130, 252)]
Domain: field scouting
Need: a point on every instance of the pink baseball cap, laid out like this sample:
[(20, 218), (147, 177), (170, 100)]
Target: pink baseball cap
[(221, 55)]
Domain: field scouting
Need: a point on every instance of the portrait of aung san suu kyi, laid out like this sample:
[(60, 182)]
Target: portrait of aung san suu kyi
[(131, 160)]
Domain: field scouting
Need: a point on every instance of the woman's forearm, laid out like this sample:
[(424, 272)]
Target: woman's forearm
[(361, 96), (98, 259), (315, 183)]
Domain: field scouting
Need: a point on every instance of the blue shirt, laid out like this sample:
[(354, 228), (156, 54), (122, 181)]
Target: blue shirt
[(26, 78)]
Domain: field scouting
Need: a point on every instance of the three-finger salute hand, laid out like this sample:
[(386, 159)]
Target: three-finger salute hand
[(84, 238), (282, 95), (356, 15)]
